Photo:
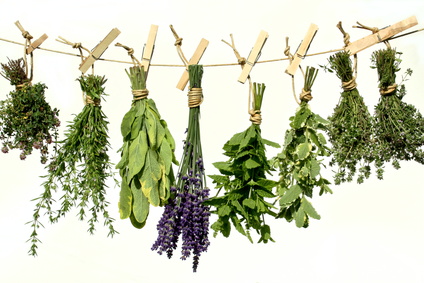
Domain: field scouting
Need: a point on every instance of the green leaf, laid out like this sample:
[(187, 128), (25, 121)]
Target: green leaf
[(236, 139), (151, 175), (301, 117), (160, 133), (315, 168), (127, 122), (237, 224), (219, 179), (166, 155), (270, 143), (266, 184), (224, 167), (300, 217), (137, 155), (141, 107), (249, 203), (224, 210), (291, 194), (288, 138), (309, 209), (264, 193), (125, 200), (140, 204), (151, 129), (124, 157), (250, 133), (303, 150), (136, 127), (250, 163)]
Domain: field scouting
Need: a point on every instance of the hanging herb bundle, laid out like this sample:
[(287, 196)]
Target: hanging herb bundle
[(80, 168), (299, 163), (185, 213), (350, 130), (27, 121), (399, 127), (147, 155), (244, 181)]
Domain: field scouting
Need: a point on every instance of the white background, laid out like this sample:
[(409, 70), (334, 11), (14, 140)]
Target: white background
[(368, 233)]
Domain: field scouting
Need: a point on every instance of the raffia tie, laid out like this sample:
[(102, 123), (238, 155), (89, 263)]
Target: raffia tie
[(255, 116), (349, 85), (305, 95), (139, 94), (89, 100), (195, 97), (21, 86), (389, 90)]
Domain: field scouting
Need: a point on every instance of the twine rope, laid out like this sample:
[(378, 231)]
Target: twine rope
[(305, 95), (255, 116), (139, 94), (90, 100), (27, 36), (178, 43), (290, 57), (195, 97), (373, 30), (351, 84), (130, 53), (389, 90)]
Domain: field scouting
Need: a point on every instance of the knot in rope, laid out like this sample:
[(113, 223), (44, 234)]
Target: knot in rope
[(305, 95), (349, 85), (389, 90), (255, 116), (178, 41), (242, 60), (26, 35), (90, 100), (195, 97), (139, 94), (287, 53), (77, 45)]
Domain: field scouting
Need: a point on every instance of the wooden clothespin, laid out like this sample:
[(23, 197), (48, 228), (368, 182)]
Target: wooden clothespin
[(302, 50), (253, 56), (31, 45), (149, 48), (200, 50), (97, 51), (381, 35)]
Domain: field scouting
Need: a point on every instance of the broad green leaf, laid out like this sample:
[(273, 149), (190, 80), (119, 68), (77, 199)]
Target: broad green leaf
[(168, 135), (267, 184), (237, 225), (314, 138), (315, 168), (140, 204), (124, 157), (300, 217), (236, 139), (250, 163), (237, 205), (160, 131), (265, 234), (249, 134), (137, 155), (321, 139), (135, 223), (136, 126), (303, 150), (288, 138), (166, 155), (270, 143), (291, 194), (152, 105), (309, 209), (151, 175), (224, 210), (264, 193), (219, 179), (125, 200), (224, 167), (249, 203), (301, 117), (321, 120), (150, 124), (127, 122)]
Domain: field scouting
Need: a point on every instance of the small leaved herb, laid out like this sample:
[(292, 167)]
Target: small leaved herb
[(247, 191), (27, 121), (300, 162), (80, 168), (399, 127), (147, 155)]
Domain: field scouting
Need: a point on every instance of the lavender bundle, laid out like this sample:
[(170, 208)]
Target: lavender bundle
[(185, 215)]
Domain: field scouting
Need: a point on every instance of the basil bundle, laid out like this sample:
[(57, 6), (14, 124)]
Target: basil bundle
[(244, 181), (399, 127), (80, 168), (185, 213), (299, 163), (27, 121), (147, 155), (350, 130)]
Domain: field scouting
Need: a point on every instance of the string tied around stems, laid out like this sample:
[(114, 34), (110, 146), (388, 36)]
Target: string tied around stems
[(349, 85), (89, 100), (388, 90), (139, 94), (255, 116), (305, 95), (195, 97)]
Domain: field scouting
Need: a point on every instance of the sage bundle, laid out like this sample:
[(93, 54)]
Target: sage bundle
[(300, 162), (147, 155), (244, 203), (27, 121), (80, 167), (185, 213), (350, 130), (399, 126)]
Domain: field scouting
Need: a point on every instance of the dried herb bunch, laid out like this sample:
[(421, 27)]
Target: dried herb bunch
[(185, 214), (300, 162), (246, 187), (27, 121), (350, 130), (80, 168), (147, 155), (399, 127)]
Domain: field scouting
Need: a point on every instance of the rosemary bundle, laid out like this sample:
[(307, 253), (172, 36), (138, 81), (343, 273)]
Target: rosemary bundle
[(27, 121), (244, 181), (399, 127), (185, 214), (350, 130), (147, 155), (80, 167), (300, 162)]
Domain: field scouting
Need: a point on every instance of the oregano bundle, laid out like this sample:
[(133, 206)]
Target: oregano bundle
[(399, 126), (300, 162), (27, 121), (80, 168)]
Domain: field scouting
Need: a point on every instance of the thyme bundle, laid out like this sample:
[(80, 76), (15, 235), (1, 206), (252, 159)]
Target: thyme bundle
[(244, 181), (350, 130), (399, 126), (27, 121), (147, 155), (299, 163), (80, 167), (185, 214)]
